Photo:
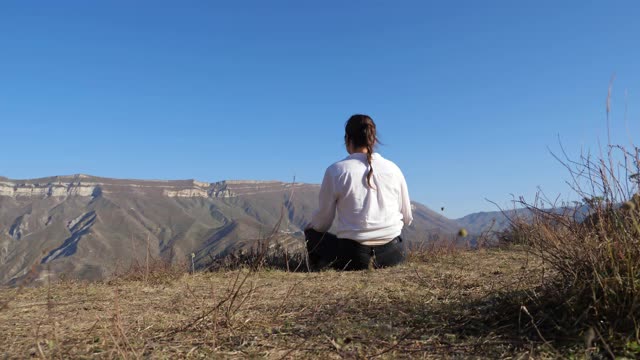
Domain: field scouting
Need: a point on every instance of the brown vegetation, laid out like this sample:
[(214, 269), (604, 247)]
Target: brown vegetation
[(593, 252), (443, 305)]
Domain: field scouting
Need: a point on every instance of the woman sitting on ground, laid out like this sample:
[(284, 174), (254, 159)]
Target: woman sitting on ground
[(369, 194)]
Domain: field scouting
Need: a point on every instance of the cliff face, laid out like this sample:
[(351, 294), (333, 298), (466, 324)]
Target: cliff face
[(88, 227), (83, 185), (89, 186), (13, 189)]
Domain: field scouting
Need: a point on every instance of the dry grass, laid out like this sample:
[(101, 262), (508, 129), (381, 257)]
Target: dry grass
[(595, 289), (593, 250), (455, 305)]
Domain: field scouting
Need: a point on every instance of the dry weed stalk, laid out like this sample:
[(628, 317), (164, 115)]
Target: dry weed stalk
[(435, 245), (592, 247)]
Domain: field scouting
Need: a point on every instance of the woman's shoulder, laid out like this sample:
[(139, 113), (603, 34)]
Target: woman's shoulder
[(346, 165), (387, 163), (339, 165)]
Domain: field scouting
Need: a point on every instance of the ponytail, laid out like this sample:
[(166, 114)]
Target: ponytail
[(360, 131), (369, 151)]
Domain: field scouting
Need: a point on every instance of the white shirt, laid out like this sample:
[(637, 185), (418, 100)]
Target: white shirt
[(371, 216)]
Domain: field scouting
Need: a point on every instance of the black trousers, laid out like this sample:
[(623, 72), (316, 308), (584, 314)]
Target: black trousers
[(327, 251)]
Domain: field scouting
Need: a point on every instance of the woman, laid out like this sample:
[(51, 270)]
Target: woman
[(369, 194)]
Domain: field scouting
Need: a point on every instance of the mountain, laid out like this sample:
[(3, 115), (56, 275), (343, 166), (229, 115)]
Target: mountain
[(480, 222), (88, 227), (488, 221)]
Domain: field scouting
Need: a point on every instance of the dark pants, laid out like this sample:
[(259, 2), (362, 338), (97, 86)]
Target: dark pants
[(326, 250)]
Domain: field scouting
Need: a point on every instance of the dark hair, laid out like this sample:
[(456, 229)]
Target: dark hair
[(360, 131)]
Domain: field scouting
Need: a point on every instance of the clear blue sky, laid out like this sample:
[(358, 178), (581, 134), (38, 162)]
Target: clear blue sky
[(468, 95)]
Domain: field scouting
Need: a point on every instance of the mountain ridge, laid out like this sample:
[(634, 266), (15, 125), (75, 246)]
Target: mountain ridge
[(88, 227), (62, 222)]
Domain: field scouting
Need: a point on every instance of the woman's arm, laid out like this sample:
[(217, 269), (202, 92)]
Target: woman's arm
[(323, 217), (405, 206)]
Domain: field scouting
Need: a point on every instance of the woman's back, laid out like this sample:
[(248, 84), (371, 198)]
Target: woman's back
[(369, 194), (370, 214)]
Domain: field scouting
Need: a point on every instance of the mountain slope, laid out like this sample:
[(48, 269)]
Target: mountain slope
[(88, 227), (480, 222)]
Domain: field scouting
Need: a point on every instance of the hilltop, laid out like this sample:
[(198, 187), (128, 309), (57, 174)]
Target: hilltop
[(442, 305)]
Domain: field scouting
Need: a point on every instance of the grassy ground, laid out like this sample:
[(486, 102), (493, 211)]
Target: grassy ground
[(457, 305)]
